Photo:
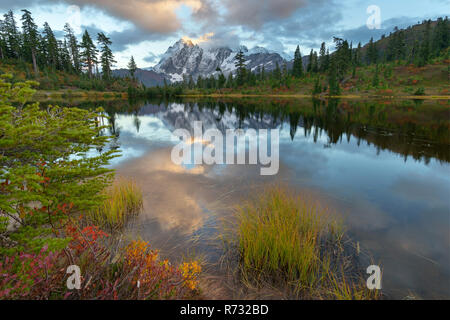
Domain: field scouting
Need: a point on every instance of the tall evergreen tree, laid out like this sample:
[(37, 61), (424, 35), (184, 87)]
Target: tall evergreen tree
[(88, 53), (297, 68), (333, 82), (191, 83), (73, 47), (30, 39), (372, 52), (240, 65), (357, 58), (414, 55), (51, 46), (341, 57), (315, 63), (310, 61), (322, 58), (106, 57), (132, 67), (221, 81), (2, 41), (277, 72), (12, 36), (64, 55), (230, 81)]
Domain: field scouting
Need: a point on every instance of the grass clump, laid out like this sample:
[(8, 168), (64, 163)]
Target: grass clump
[(285, 241), (123, 200)]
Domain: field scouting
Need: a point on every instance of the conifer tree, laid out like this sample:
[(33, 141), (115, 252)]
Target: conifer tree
[(277, 72), (30, 39), (372, 52), (221, 81), (12, 36), (64, 55), (132, 67), (322, 58), (107, 57), (240, 65), (315, 63), (88, 53), (357, 57), (191, 83), (51, 46), (297, 68), (310, 61), (230, 80), (2, 41), (376, 79), (48, 177), (342, 57), (74, 49), (333, 81)]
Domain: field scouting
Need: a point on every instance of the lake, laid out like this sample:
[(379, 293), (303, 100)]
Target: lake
[(383, 166)]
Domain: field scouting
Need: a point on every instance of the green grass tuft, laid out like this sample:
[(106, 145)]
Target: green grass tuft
[(294, 243), (123, 200)]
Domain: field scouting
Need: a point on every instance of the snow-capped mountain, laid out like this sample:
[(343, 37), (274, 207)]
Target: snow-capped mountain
[(185, 59)]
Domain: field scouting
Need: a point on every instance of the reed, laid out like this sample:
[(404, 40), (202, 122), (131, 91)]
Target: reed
[(288, 241), (123, 201)]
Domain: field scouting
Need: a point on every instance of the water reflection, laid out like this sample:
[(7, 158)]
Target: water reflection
[(383, 165)]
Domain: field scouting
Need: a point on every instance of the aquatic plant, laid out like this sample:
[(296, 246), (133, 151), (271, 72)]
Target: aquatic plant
[(286, 241), (123, 200)]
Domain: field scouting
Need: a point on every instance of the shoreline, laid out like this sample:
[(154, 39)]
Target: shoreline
[(303, 96), (68, 94)]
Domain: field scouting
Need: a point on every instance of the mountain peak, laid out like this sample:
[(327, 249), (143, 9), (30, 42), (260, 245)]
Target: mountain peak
[(185, 59), (186, 41)]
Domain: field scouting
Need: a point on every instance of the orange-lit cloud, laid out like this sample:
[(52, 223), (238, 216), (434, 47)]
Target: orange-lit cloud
[(203, 38), (151, 15)]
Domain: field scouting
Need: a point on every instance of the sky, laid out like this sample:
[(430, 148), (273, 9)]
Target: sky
[(146, 28)]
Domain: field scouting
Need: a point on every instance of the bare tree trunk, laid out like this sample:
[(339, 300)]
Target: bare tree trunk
[(90, 68), (35, 67)]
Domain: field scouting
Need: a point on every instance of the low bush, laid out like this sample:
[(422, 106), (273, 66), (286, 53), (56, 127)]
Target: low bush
[(136, 272)]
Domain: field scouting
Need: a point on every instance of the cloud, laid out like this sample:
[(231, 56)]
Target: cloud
[(363, 34), (222, 37), (151, 58), (255, 13), (18, 4), (201, 39), (122, 39), (157, 16), (276, 24), (227, 22)]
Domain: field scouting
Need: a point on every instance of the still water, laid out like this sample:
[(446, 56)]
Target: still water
[(382, 166)]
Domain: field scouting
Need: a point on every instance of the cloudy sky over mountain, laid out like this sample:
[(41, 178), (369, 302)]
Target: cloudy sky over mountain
[(146, 28)]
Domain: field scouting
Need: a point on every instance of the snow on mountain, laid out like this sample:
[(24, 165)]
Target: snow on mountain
[(185, 59)]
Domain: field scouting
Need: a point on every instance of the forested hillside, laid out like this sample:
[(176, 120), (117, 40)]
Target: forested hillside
[(28, 53), (409, 61)]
